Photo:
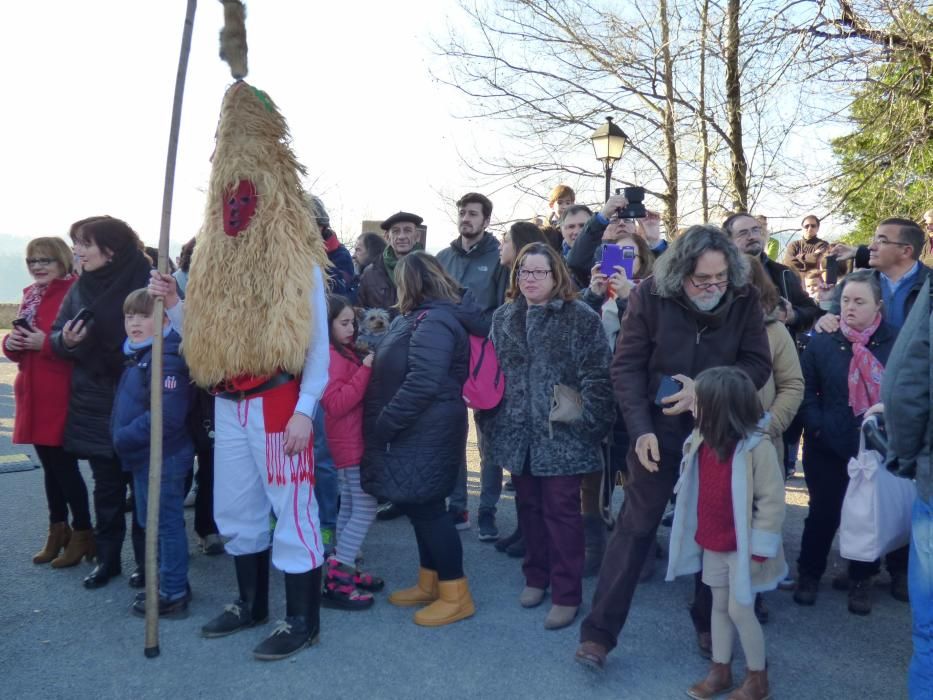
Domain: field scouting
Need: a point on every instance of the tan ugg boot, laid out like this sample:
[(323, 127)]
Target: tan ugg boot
[(422, 593), (718, 680), (81, 545), (755, 687), (455, 603), (59, 534)]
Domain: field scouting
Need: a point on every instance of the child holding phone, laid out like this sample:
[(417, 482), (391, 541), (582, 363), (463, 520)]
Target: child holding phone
[(728, 519)]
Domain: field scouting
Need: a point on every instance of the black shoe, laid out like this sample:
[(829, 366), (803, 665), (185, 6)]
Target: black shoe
[(516, 549), (176, 609), (388, 511), (506, 542), (860, 597), (100, 576), (142, 594), (899, 588), (807, 588), (761, 610), (252, 607), (509, 485), (488, 532), (301, 627), (137, 579)]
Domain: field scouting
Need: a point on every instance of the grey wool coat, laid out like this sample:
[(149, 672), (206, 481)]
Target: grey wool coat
[(537, 347)]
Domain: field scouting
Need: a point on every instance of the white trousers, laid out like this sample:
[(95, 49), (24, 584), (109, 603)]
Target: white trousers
[(247, 488)]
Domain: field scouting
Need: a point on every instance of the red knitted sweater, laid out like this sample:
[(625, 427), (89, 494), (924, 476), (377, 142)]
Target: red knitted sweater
[(715, 524)]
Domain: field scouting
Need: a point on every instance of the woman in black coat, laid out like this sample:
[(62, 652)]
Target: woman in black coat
[(89, 332), (832, 410), (415, 428)]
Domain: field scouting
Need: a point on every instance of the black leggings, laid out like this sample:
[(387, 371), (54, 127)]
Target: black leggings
[(64, 487), (439, 547)]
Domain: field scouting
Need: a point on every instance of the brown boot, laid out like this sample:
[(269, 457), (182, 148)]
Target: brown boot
[(718, 680), (422, 593), (454, 603), (81, 545), (755, 687), (59, 534)]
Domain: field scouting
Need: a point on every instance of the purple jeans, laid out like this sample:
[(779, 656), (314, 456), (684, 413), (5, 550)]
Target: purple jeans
[(549, 514)]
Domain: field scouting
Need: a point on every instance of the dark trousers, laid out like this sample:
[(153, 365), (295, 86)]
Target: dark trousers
[(204, 523), (549, 513), (827, 477), (64, 487), (110, 483), (439, 546), (646, 495)]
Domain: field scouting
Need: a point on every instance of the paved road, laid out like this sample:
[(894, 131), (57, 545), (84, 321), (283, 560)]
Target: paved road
[(59, 640)]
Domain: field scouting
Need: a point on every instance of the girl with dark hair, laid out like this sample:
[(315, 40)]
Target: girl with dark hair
[(343, 423), (520, 234), (89, 333), (727, 520)]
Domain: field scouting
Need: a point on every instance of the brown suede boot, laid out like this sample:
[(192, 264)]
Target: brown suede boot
[(755, 687), (422, 593), (454, 603), (718, 680), (59, 534), (81, 545)]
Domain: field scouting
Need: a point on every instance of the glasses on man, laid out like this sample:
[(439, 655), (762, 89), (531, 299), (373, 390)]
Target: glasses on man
[(41, 262), (706, 283), (884, 240), (746, 232), (539, 275)]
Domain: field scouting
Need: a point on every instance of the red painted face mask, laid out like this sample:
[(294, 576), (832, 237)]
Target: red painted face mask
[(239, 207)]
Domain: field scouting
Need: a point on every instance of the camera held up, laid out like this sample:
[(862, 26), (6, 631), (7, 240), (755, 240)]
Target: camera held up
[(635, 209)]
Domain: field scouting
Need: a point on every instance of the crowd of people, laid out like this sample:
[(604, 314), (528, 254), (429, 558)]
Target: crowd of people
[(689, 377)]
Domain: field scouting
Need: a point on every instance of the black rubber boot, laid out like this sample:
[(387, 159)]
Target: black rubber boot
[(302, 623), (252, 607)]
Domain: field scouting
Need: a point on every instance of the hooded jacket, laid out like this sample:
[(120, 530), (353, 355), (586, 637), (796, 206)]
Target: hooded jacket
[(478, 270), (757, 510)]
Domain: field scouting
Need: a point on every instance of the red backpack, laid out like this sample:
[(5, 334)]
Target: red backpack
[(485, 383)]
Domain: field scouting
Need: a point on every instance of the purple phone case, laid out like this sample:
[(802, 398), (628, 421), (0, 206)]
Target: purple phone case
[(628, 261), (612, 256)]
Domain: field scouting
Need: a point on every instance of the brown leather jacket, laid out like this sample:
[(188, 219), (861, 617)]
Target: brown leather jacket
[(377, 290)]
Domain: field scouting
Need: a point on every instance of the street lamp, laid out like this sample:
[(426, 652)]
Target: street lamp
[(608, 142)]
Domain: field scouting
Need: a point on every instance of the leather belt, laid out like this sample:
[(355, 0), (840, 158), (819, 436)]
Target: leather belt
[(273, 382)]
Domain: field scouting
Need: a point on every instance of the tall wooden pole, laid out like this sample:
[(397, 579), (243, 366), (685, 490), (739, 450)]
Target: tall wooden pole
[(151, 648)]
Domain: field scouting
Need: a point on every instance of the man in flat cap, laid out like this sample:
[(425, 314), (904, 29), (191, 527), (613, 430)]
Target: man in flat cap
[(377, 283)]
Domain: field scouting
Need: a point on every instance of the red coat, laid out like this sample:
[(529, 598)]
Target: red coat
[(43, 382), (343, 409)]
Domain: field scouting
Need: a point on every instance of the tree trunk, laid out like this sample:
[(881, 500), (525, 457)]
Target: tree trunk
[(739, 179), (670, 136), (704, 133)]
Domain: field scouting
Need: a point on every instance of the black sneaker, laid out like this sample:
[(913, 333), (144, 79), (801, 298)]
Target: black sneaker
[(290, 636), (860, 597), (488, 532), (176, 609), (235, 617), (807, 588)]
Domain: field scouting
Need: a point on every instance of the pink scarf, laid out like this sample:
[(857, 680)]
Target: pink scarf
[(865, 372), (32, 297)]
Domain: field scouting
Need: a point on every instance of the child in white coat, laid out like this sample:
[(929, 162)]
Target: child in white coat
[(727, 522)]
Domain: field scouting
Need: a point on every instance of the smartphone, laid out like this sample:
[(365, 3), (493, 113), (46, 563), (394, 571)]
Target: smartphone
[(612, 256), (84, 315), (628, 261), (22, 323), (831, 275), (669, 386)]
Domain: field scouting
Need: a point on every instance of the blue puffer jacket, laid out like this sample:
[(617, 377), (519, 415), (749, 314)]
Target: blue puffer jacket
[(827, 417), (130, 421)]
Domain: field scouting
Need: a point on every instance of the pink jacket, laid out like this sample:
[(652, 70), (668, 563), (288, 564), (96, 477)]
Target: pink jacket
[(343, 409)]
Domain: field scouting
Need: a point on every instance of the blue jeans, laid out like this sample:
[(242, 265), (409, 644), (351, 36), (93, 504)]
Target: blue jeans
[(173, 541), (490, 476), (920, 581), (326, 484)]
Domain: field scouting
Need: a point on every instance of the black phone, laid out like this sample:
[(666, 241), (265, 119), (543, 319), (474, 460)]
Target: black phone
[(22, 323), (668, 387), (85, 315), (831, 276)]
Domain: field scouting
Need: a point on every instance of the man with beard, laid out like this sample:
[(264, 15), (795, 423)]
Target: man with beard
[(697, 311), (798, 311), (473, 260), (377, 282)]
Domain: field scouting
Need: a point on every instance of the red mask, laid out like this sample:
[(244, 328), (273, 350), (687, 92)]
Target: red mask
[(239, 207)]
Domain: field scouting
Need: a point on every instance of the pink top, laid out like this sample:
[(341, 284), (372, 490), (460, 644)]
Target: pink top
[(343, 408)]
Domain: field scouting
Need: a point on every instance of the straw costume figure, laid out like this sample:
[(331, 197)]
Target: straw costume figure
[(255, 331)]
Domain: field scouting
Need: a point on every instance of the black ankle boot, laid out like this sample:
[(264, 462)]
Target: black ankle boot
[(506, 542), (252, 607), (302, 623)]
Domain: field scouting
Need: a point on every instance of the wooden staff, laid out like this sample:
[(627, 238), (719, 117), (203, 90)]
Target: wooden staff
[(151, 648)]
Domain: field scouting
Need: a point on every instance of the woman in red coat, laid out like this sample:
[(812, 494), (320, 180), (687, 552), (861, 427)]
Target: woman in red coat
[(41, 390)]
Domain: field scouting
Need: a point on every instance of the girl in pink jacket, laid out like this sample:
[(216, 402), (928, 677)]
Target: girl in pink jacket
[(346, 587)]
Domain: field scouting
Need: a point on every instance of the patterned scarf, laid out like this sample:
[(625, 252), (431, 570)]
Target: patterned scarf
[(32, 297), (865, 371)]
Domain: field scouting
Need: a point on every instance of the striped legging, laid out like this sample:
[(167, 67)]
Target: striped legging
[(357, 512)]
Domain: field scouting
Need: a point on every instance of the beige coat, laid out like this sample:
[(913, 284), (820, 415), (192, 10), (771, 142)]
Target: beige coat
[(757, 504), (783, 394)]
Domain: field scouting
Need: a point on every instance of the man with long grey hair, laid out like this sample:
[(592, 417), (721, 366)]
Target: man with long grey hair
[(697, 311)]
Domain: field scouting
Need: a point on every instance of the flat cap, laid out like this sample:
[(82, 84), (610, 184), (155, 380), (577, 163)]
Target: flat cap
[(398, 217)]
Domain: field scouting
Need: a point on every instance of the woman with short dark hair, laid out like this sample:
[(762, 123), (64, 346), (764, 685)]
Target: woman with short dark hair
[(89, 333)]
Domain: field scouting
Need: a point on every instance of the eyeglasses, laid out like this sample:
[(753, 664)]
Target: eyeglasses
[(881, 240), (745, 232), (533, 274), (704, 285), (44, 262)]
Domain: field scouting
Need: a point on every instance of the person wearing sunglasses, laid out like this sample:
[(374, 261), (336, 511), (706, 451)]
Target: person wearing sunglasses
[(806, 253)]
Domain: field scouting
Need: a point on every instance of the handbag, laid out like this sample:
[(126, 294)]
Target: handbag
[(876, 511), (566, 406)]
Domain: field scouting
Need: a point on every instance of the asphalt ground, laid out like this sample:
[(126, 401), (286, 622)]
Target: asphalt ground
[(58, 640)]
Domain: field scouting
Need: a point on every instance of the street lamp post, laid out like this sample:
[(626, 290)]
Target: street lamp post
[(608, 142)]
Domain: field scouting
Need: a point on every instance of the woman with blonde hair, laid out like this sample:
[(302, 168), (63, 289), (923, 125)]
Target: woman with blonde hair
[(415, 428)]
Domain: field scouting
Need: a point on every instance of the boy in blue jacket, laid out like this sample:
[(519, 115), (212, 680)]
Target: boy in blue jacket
[(130, 427)]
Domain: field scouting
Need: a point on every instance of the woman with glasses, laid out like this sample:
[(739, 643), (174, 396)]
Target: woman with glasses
[(547, 430), (41, 391)]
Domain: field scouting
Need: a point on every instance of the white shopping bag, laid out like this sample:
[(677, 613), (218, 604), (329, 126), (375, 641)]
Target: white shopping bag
[(876, 510)]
